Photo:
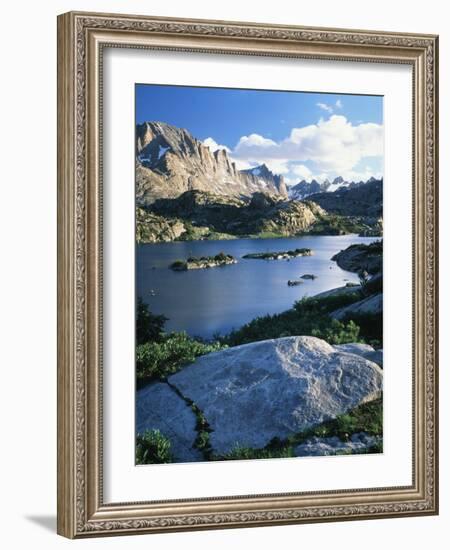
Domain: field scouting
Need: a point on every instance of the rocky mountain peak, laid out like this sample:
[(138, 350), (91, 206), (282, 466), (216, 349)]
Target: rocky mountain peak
[(262, 175), (170, 161)]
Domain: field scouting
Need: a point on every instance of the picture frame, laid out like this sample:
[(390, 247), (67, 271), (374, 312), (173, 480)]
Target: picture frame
[(82, 41)]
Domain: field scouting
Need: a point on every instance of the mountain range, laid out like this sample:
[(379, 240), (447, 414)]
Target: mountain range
[(304, 188), (186, 191), (170, 161), (362, 199)]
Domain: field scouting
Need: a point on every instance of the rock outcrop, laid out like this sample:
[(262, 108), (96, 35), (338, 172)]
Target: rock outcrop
[(361, 257), (252, 393), (151, 228), (340, 291), (373, 305), (233, 216)]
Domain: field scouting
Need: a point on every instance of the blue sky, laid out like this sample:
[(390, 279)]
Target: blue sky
[(301, 135)]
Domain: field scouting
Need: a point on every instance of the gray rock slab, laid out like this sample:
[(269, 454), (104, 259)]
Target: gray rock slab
[(158, 407), (340, 291), (358, 349), (252, 393), (369, 306), (326, 446), (364, 350), (376, 356)]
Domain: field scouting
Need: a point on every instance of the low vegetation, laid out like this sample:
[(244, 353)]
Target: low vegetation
[(152, 447), (149, 327), (308, 317), (159, 359), (337, 225), (160, 354)]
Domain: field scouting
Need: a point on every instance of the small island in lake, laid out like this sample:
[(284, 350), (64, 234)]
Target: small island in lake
[(286, 255), (204, 262)]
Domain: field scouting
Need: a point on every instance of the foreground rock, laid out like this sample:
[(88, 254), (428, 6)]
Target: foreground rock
[(363, 350), (326, 446), (255, 392), (158, 407)]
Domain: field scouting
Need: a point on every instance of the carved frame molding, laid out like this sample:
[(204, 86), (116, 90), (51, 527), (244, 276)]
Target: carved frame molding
[(81, 39)]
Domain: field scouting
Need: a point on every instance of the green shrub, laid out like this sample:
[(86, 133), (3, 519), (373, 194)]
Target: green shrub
[(308, 317), (149, 327), (157, 360), (152, 447), (246, 453), (221, 257), (370, 328)]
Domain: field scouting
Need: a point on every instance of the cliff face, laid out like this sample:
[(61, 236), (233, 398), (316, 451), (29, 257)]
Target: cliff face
[(170, 161)]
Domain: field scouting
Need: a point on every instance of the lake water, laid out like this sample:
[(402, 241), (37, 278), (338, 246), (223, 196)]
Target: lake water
[(203, 302)]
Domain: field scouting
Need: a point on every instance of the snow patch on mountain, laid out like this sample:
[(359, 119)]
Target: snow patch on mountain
[(162, 151)]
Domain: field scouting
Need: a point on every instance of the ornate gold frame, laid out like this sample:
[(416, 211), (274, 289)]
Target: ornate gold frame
[(81, 37)]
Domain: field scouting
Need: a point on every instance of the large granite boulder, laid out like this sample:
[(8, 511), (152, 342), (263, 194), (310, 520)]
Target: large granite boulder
[(159, 407), (252, 393)]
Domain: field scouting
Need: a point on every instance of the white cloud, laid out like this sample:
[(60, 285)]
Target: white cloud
[(325, 107), (242, 164), (334, 145), (277, 166), (213, 145), (302, 171), (362, 175), (329, 148), (339, 104), (246, 143)]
